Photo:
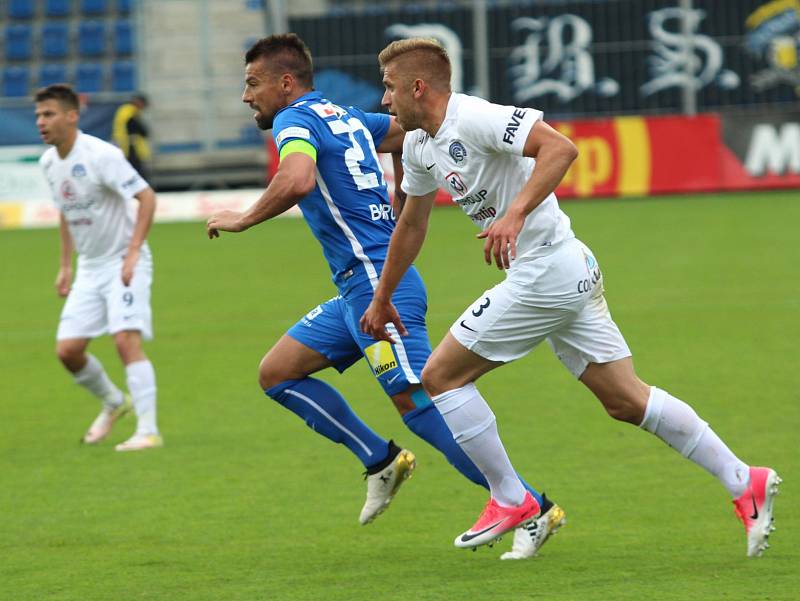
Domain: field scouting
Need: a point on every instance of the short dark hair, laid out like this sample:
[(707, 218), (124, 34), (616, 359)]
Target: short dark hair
[(286, 53), (61, 92)]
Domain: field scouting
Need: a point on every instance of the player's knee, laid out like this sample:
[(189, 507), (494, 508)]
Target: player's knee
[(270, 374), (433, 379), (70, 355), (428, 380), (129, 346), (64, 353)]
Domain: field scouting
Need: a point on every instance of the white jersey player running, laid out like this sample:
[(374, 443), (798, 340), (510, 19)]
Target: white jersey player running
[(93, 186), (483, 155)]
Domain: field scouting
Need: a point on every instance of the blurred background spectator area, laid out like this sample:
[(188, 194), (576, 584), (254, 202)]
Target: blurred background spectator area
[(575, 59)]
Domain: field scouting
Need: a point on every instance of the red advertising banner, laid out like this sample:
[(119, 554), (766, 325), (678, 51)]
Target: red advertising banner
[(639, 156)]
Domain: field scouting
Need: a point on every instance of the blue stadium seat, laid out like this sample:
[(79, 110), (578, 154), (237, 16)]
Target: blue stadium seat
[(57, 8), (16, 81), (124, 7), (91, 38), (123, 76), (93, 7), (18, 42), (89, 77), (123, 37), (52, 74), (55, 40), (20, 9)]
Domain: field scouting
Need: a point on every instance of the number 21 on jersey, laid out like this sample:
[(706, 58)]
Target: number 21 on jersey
[(355, 157)]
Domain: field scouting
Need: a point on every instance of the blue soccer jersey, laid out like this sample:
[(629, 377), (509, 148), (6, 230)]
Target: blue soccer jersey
[(349, 210)]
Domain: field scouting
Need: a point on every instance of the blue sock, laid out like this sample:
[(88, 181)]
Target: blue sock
[(426, 422), (326, 412)]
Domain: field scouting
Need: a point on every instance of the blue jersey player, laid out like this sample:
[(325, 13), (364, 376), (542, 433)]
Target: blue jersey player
[(330, 168)]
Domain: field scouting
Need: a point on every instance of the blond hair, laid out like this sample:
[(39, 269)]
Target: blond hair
[(422, 58)]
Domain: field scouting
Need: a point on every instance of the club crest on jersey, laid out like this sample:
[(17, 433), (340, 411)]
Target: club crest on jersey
[(78, 170), (458, 151)]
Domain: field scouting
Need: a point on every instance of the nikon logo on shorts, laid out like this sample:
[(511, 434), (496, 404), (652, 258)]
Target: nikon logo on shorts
[(381, 357)]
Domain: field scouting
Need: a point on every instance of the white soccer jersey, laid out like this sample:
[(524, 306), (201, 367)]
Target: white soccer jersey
[(93, 188), (476, 157)]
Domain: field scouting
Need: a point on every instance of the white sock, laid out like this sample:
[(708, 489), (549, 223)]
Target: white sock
[(474, 428), (676, 423), (95, 379), (142, 386)]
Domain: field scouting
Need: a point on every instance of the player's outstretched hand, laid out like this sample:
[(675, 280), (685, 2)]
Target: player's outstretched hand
[(64, 281), (377, 316), (128, 266), (225, 221), (501, 240)]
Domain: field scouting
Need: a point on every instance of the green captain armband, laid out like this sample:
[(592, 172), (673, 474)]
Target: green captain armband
[(298, 146)]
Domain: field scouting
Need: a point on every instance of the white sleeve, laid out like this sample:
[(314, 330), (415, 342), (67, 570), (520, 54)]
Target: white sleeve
[(495, 127), (45, 161), (417, 181), (117, 174)]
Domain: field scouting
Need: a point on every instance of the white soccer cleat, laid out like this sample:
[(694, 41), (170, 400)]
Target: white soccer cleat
[(529, 539), (141, 442), (103, 423), (382, 486)]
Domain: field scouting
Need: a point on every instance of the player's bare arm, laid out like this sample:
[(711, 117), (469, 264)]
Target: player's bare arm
[(393, 143), (64, 277), (393, 140), (294, 179), (406, 242), (144, 220), (554, 153), (399, 198)]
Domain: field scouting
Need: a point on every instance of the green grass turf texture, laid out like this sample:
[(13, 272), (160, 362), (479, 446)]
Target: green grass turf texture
[(246, 503)]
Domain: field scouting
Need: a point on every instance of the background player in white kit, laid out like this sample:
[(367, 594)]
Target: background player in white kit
[(93, 186), (483, 155)]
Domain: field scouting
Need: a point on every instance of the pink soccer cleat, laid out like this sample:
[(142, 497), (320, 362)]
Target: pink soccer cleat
[(103, 423), (496, 520), (754, 508)]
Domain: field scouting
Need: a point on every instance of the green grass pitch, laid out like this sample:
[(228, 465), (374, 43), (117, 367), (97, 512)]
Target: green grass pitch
[(245, 503)]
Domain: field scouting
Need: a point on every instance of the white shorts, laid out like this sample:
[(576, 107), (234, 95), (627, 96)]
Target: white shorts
[(557, 297), (100, 304)]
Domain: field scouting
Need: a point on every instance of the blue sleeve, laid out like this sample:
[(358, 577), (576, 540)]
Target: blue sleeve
[(376, 123), (295, 124)]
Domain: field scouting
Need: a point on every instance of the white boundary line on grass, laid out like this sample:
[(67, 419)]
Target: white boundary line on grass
[(172, 206)]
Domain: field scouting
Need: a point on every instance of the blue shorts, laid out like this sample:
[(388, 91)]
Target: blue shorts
[(332, 329)]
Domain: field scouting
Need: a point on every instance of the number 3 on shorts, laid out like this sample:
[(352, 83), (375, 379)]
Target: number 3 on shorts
[(482, 307)]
